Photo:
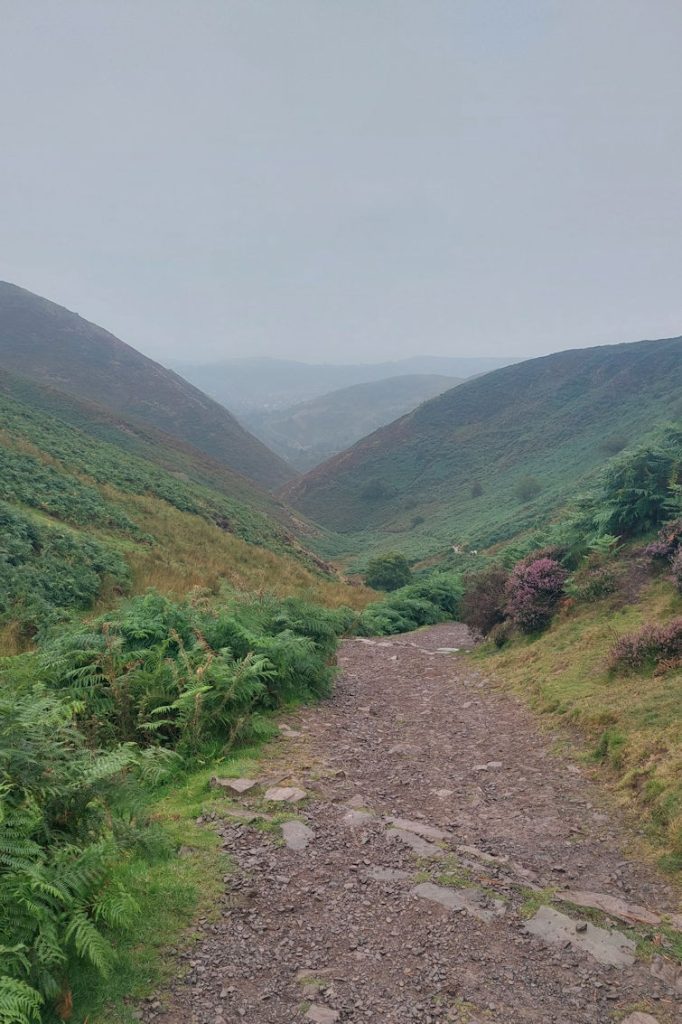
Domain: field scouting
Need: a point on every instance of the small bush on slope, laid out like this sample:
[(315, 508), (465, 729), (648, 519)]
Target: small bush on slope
[(45, 570), (433, 599), (649, 647), (533, 592), (388, 572), (483, 604)]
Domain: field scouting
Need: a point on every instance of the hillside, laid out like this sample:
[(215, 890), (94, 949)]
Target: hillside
[(51, 345), (247, 385), (93, 508), (495, 455), (310, 432)]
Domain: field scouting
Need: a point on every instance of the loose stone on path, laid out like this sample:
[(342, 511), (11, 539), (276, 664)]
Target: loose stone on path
[(296, 835), (238, 786), (285, 794), (611, 948), (322, 1014)]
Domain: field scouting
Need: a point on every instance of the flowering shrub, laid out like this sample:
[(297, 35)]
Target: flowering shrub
[(667, 542), (533, 591), (652, 646)]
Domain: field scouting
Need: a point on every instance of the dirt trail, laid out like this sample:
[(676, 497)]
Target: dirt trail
[(357, 925)]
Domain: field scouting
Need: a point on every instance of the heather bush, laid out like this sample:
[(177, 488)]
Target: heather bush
[(649, 647), (533, 591), (483, 604), (668, 541)]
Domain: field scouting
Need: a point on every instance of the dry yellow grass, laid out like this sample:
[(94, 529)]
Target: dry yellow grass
[(190, 552)]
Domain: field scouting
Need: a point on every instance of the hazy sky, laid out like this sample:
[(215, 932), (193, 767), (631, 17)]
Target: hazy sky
[(346, 180)]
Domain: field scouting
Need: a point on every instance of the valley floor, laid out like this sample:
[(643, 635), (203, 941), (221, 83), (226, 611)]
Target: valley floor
[(440, 832)]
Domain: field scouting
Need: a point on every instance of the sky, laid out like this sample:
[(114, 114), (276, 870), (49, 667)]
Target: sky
[(346, 180)]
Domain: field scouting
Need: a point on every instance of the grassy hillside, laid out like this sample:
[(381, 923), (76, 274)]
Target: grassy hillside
[(50, 345), (494, 456), (310, 432), (248, 385), (631, 720), (85, 520)]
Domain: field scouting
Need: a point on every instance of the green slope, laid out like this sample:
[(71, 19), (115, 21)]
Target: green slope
[(51, 345), (310, 432), (448, 472), (92, 508)]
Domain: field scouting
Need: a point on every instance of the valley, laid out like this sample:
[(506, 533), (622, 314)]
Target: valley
[(465, 757)]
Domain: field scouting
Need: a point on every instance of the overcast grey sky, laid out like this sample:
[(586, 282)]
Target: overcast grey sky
[(346, 180)]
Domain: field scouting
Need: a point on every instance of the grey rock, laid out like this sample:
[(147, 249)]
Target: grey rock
[(419, 828), (469, 900), (285, 794), (629, 912), (611, 948), (420, 846), (296, 835), (322, 1014), (234, 785)]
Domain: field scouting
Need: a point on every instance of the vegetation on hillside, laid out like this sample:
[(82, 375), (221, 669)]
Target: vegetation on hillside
[(492, 458), (48, 344), (588, 625), (84, 520)]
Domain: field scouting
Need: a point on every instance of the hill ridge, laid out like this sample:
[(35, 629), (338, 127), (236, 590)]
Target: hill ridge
[(47, 343), (546, 417)]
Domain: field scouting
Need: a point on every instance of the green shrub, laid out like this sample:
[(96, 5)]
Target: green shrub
[(45, 571), (483, 604), (66, 817), (161, 672), (527, 488), (435, 598), (388, 572)]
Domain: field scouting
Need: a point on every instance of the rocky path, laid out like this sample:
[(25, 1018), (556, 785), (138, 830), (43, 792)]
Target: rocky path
[(432, 873)]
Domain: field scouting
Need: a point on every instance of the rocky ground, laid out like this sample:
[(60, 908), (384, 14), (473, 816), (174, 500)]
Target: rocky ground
[(440, 864)]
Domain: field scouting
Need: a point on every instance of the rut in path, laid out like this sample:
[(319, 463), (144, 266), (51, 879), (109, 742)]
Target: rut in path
[(436, 822)]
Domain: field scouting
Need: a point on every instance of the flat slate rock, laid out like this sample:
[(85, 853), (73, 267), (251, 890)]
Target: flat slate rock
[(418, 845), (286, 730), (356, 818), (610, 948), (322, 1014), (419, 829), (234, 785), (639, 1018), (667, 972), (629, 912), (379, 874), (469, 900), (296, 835), (285, 794)]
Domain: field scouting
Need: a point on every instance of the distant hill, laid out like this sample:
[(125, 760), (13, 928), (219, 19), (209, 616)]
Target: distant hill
[(51, 345), (310, 432), (245, 385), (463, 467)]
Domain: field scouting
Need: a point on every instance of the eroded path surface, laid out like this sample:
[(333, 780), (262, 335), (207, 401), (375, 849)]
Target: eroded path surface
[(439, 833)]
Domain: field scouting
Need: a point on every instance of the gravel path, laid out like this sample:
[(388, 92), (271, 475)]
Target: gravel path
[(420, 879)]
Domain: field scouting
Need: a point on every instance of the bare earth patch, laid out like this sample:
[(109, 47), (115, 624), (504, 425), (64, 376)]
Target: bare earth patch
[(439, 827)]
